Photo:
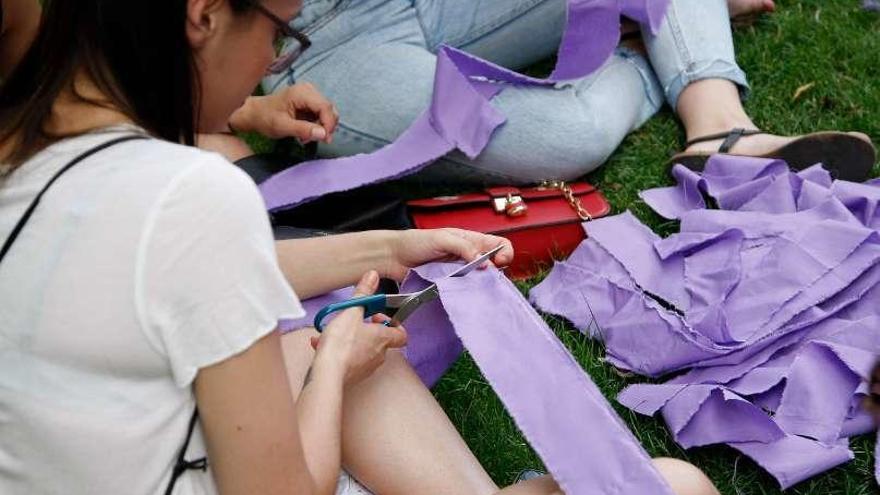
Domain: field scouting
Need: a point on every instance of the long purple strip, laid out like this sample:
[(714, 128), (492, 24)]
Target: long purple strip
[(582, 441), (559, 409), (565, 417), (461, 115), (770, 303)]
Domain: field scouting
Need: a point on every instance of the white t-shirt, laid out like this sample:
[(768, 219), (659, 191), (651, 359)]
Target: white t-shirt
[(141, 265)]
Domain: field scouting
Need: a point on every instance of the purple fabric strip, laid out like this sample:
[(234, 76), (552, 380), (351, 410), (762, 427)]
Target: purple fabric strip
[(553, 401), (769, 303), (461, 115), (555, 404), (514, 348)]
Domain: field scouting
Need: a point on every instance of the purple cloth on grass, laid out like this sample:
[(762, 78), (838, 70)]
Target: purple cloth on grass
[(544, 389), (584, 444), (461, 115), (768, 308)]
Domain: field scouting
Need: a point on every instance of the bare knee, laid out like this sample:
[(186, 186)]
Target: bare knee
[(684, 478), (228, 145)]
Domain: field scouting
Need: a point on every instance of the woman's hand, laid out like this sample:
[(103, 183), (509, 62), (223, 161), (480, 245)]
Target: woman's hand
[(353, 348), (411, 248), (299, 111)]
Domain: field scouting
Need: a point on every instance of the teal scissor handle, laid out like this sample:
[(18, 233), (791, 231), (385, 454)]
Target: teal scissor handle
[(372, 305)]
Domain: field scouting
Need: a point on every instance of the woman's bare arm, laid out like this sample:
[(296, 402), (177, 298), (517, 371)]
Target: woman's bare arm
[(249, 420), (322, 264)]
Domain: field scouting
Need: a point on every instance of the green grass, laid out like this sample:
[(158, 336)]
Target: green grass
[(830, 44)]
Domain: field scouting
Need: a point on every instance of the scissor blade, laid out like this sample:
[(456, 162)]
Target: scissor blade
[(461, 272), (413, 303)]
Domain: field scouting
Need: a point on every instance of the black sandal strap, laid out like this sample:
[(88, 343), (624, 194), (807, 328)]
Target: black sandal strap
[(730, 138)]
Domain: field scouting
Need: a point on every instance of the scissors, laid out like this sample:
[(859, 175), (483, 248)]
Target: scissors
[(402, 305)]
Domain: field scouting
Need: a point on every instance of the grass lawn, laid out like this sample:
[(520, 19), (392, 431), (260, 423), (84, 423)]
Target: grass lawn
[(829, 47)]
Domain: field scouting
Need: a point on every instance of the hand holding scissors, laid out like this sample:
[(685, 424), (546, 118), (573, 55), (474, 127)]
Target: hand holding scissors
[(399, 306)]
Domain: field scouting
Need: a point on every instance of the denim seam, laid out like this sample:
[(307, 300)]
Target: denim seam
[(311, 28), (328, 17), (631, 57), (677, 37), (480, 32), (680, 46)]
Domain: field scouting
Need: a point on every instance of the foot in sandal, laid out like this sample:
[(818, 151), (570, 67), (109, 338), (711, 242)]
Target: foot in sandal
[(847, 155)]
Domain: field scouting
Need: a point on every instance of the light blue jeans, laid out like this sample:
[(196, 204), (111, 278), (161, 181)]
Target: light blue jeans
[(375, 60)]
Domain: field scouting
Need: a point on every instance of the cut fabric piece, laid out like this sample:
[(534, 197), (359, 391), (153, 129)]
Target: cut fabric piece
[(461, 115), (767, 308), (539, 382)]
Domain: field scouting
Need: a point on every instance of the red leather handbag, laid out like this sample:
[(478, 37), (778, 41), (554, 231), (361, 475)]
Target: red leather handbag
[(543, 223)]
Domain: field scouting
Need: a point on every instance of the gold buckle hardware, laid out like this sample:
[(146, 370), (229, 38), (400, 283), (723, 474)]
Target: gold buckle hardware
[(512, 206)]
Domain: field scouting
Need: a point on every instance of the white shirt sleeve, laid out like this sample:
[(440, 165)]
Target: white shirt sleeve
[(208, 284)]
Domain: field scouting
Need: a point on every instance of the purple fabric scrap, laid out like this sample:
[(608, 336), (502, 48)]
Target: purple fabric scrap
[(766, 309), (561, 412), (461, 115)]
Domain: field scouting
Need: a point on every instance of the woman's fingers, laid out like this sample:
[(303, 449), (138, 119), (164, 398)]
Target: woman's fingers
[(367, 285), (396, 337), (447, 242), (305, 131), (485, 242), (305, 98)]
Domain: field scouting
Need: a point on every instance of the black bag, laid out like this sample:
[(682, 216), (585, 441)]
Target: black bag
[(367, 208)]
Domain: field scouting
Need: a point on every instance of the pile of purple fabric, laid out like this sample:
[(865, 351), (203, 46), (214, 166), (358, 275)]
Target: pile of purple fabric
[(764, 309)]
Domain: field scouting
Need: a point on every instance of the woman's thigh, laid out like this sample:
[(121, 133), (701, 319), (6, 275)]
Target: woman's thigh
[(512, 33), (395, 437)]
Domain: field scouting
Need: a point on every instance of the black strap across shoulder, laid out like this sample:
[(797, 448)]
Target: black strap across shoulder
[(181, 465), (33, 206)]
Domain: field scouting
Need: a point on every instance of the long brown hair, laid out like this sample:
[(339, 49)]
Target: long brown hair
[(135, 51)]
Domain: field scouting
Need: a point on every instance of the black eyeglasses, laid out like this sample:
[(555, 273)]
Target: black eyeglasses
[(284, 55)]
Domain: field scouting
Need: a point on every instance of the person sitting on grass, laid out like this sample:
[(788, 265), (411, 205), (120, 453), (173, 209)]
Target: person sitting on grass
[(145, 283), (377, 57)]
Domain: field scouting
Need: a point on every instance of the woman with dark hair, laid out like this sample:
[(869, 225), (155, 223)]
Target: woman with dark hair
[(138, 280)]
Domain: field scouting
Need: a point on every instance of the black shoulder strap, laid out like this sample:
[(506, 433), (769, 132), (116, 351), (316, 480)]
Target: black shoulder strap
[(27, 214), (182, 465)]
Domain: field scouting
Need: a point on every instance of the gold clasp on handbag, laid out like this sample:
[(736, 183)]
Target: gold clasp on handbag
[(569, 195), (512, 206)]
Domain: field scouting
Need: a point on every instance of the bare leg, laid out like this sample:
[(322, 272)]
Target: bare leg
[(397, 439), (713, 106), (684, 478), (749, 7)]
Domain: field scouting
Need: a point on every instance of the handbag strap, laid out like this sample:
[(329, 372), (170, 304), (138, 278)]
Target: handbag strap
[(33, 206)]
